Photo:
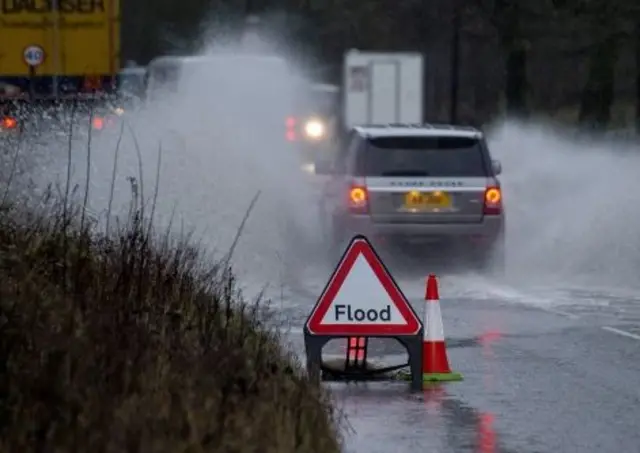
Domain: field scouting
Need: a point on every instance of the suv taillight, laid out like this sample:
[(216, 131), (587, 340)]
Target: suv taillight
[(492, 200), (358, 199)]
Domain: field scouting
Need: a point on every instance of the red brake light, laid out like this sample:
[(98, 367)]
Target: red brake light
[(9, 122), (98, 123), (291, 129), (493, 200), (358, 199)]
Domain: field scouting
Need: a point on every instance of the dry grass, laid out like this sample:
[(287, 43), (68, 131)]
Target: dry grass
[(131, 342)]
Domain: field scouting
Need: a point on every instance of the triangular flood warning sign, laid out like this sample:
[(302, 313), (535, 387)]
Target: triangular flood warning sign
[(362, 298)]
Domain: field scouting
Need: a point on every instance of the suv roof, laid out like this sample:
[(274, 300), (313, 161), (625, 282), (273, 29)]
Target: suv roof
[(469, 142), (422, 130)]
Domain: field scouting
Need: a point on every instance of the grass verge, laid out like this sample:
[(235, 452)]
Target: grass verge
[(130, 342)]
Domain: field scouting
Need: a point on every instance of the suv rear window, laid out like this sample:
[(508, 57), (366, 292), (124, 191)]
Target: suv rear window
[(422, 156)]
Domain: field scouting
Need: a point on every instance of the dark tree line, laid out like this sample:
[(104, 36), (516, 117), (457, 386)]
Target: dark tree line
[(576, 60)]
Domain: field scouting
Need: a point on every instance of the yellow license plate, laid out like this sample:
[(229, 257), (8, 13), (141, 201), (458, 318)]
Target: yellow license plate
[(421, 201)]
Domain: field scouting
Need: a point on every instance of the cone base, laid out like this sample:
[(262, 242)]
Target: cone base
[(402, 375), (431, 377), (442, 377)]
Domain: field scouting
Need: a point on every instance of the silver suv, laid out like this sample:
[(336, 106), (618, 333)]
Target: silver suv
[(421, 187)]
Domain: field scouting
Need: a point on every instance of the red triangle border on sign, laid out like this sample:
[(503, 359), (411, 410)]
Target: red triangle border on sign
[(360, 246)]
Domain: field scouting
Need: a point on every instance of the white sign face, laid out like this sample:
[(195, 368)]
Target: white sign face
[(362, 300), (33, 55)]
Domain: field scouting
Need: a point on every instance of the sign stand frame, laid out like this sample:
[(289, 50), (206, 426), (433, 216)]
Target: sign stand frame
[(313, 345), (411, 340)]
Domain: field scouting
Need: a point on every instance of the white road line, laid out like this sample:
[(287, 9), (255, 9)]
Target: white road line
[(622, 333), (614, 330), (558, 312)]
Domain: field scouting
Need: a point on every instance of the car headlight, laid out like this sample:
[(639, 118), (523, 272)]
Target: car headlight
[(315, 129), (118, 111)]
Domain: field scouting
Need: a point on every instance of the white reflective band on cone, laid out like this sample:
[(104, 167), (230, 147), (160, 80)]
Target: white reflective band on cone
[(434, 330)]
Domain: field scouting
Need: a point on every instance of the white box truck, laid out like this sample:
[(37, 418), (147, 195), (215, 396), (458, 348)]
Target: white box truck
[(382, 87)]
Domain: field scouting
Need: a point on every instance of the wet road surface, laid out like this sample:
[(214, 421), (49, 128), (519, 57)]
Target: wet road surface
[(537, 379)]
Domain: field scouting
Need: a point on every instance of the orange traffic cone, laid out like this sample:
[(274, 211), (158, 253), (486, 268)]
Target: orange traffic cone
[(435, 364)]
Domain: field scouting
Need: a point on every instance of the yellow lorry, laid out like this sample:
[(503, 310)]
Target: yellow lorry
[(58, 47)]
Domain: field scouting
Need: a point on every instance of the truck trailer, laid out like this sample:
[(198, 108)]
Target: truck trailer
[(382, 88), (58, 48)]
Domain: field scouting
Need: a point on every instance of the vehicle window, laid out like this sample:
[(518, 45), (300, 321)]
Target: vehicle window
[(164, 78), (347, 148), (131, 84), (353, 156), (423, 156)]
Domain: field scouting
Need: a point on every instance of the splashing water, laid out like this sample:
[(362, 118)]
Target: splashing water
[(221, 143), (572, 220), (572, 208)]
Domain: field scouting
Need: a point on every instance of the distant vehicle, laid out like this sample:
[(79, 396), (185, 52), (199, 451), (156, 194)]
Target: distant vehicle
[(313, 125), (131, 82), (55, 58), (48, 53), (234, 89), (376, 88), (128, 96), (382, 87), (417, 187)]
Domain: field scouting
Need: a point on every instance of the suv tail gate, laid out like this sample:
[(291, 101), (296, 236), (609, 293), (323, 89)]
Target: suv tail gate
[(425, 179)]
